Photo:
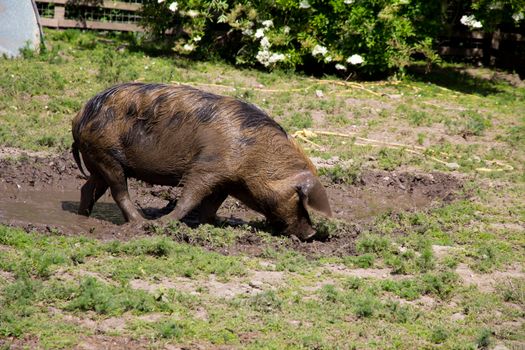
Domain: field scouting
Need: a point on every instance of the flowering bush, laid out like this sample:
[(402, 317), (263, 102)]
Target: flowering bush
[(341, 36)]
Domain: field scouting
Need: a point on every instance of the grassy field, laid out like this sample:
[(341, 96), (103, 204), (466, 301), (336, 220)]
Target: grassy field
[(445, 276)]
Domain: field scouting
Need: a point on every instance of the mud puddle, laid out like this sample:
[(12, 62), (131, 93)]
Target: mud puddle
[(43, 194)]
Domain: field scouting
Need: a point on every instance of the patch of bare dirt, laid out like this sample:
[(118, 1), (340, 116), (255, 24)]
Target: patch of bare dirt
[(106, 342), (257, 282), (377, 105), (65, 274), (508, 226), (385, 273), (12, 152), (27, 342), (7, 276), (42, 194), (425, 301), (441, 251), (488, 282), (97, 342)]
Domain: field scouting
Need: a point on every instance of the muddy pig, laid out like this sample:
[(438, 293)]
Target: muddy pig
[(213, 146)]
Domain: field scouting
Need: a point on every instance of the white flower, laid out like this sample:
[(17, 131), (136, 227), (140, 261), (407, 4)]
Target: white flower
[(471, 22), (188, 47), (259, 33), (518, 16), (304, 4), (263, 57), (348, 2), (265, 42), (192, 13), (197, 38), (319, 50), (339, 66), (160, 1), (268, 23), (174, 6), (328, 59), (276, 57), (355, 59), (248, 31), (286, 29)]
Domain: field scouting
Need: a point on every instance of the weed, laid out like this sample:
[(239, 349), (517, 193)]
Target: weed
[(421, 138), (483, 339), (488, 255), (297, 121), (265, 302), (339, 174), (94, 295), (390, 159), (328, 228), (513, 290), (338, 119), (439, 335), (205, 235), (157, 246), (425, 261), (515, 135), (114, 68), (470, 123), (441, 284), (292, 261), (409, 289), (476, 125), (373, 244), (353, 283), (169, 329), (329, 293), (363, 261), (418, 118), (365, 305)]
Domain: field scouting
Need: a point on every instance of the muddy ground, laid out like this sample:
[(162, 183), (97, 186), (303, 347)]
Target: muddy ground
[(42, 194)]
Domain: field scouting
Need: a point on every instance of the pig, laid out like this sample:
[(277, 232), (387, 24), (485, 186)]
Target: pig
[(210, 145)]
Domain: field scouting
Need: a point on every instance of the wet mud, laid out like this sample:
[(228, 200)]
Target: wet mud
[(42, 194)]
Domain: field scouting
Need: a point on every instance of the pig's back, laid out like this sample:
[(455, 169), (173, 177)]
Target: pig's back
[(162, 128)]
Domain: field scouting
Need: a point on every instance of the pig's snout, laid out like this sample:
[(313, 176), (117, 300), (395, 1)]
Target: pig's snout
[(307, 234)]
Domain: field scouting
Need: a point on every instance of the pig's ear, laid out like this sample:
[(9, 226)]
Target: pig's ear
[(312, 193)]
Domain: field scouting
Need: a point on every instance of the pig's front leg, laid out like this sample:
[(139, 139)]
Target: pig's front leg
[(207, 209), (198, 190)]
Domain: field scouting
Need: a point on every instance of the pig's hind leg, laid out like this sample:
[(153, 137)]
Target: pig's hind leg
[(92, 190), (114, 175)]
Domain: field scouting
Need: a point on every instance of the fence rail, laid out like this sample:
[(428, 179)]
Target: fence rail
[(90, 14), (498, 49)]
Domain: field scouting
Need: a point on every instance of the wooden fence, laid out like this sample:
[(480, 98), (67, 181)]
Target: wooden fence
[(90, 14), (497, 49)]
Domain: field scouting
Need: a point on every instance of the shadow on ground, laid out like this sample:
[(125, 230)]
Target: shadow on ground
[(457, 79)]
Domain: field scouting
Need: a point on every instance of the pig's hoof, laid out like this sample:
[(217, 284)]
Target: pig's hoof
[(138, 223)]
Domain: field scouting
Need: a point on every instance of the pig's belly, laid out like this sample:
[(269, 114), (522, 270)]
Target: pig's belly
[(155, 178)]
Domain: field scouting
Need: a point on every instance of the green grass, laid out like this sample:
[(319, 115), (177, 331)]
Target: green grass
[(53, 288)]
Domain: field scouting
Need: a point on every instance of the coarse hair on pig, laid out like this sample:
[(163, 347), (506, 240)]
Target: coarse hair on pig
[(213, 146)]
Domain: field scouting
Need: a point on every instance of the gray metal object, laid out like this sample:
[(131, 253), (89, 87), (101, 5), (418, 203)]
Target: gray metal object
[(18, 27)]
